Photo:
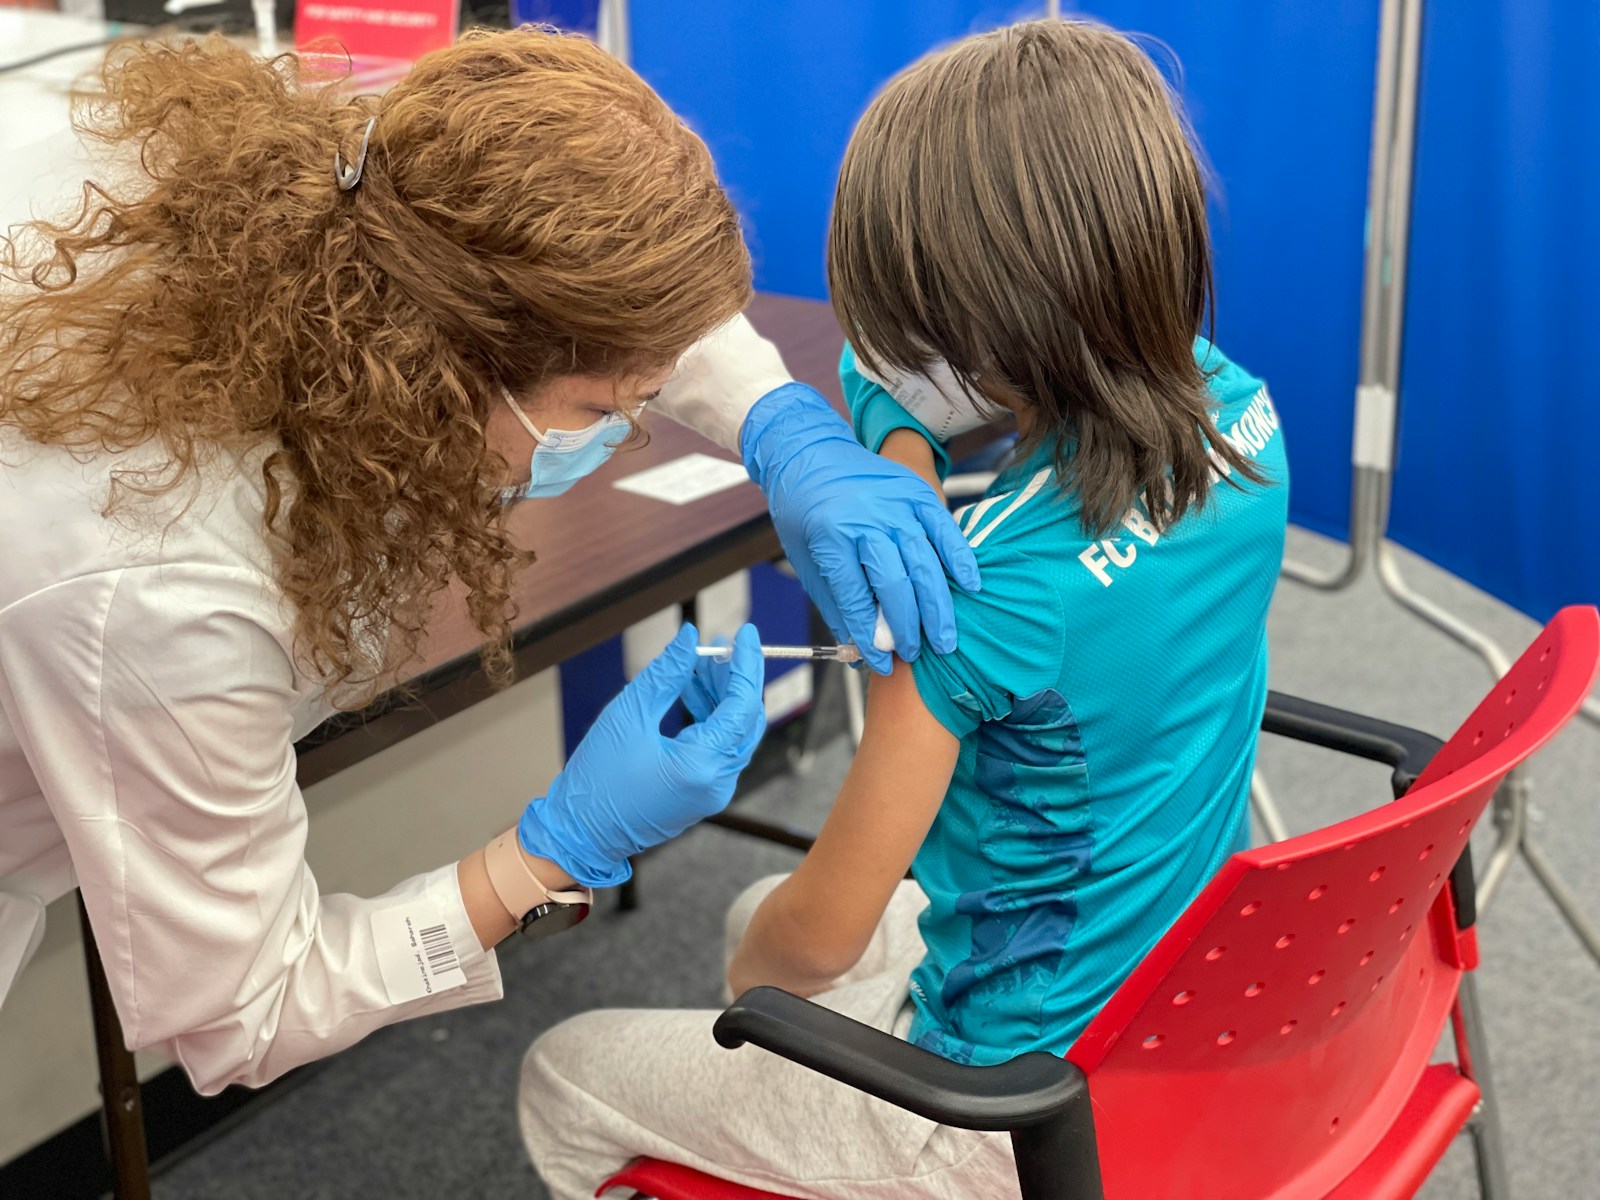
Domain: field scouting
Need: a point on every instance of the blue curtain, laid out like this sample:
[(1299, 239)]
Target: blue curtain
[(1499, 398), (775, 90), (576, 16), (1500, 419)]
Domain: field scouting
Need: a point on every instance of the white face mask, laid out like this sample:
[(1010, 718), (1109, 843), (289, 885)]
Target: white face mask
[(936, 399)]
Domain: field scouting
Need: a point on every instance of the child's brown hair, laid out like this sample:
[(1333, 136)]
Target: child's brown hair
[(1027, 205)]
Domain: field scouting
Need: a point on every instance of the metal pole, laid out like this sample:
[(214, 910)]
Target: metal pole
[(1562, 896), (1398, 215), (1510, 817), (1266, 810), (612, 33), (1372, 447)]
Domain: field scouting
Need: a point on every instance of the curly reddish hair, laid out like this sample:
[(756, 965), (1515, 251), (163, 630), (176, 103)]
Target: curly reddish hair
[(529, 209)]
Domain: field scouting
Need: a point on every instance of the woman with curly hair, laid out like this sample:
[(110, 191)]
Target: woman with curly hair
[(265, 394)]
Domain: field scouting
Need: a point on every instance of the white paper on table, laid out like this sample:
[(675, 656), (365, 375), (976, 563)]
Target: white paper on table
[(686, 479)]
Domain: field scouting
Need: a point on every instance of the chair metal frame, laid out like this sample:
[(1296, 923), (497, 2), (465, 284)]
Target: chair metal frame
[(1412, 1110)]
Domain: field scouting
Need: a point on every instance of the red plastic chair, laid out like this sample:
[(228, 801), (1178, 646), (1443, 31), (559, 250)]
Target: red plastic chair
[(1276, 1041)]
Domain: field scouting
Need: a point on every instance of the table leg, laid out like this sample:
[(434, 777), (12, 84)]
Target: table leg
[(121, 1104)]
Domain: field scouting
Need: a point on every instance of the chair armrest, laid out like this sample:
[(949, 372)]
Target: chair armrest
[(1041, 1099), (1405, 749), (1029, 1089)]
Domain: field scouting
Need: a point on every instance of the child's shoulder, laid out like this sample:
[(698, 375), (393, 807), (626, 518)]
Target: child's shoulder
[(1010, 634), (1230, 384), (1025, 497), (1242, 410), (1027, 524)]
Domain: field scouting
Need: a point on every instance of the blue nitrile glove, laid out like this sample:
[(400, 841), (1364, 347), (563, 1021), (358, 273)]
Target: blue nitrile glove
[(855, 525), (713, 677), (627, 786)]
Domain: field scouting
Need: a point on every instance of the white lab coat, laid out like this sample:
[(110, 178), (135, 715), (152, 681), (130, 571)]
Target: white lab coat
[(148, 709), (149, 704)]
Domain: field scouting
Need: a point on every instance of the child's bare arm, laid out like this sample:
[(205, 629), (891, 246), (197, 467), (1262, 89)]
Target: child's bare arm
[(815, 925), (911, 450)]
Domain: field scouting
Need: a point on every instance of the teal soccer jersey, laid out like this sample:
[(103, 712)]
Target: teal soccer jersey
[(1107, 693)]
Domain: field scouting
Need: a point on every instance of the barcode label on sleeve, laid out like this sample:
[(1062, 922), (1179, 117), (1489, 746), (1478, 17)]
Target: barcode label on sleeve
[(414, 951), (440, 953)]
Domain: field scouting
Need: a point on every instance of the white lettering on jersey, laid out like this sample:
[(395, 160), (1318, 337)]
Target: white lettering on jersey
[(1248, 435), (1121, 557), (1139, 525), (1098, 556), (1097, 563)]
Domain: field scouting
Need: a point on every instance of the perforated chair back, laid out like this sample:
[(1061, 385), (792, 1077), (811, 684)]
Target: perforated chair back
[(1271, 1040)]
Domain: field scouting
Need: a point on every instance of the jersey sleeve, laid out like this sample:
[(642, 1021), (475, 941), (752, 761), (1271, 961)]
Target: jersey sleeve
[(875, 414), (155, 708), (1010, 639)]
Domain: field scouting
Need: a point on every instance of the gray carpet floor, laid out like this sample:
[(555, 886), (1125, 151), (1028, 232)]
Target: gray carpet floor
[(426, 1110)]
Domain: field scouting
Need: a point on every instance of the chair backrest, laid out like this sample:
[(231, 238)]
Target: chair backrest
[(1268, 1041)]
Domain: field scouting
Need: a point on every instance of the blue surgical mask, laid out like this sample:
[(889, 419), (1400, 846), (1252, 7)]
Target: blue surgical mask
[(562, 457)]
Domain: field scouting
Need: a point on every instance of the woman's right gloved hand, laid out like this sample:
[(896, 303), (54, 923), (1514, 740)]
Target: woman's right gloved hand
[(627, 786)]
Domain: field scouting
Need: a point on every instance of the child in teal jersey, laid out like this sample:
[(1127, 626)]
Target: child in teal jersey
[(1106, 693), (1018, 237)]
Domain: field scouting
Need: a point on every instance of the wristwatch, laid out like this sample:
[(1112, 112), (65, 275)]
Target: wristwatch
[(543, 912)]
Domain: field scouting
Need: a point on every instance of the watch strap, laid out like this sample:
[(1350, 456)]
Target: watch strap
[(515, 883)]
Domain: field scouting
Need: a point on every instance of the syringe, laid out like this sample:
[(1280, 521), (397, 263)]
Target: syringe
[(845, 652)]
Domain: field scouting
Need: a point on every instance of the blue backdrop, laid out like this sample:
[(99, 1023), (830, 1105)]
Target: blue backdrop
[(1500, 415)]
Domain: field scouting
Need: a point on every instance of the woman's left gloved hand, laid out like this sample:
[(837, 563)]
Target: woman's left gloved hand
[(628, 787), (857, 527), (862, 533)]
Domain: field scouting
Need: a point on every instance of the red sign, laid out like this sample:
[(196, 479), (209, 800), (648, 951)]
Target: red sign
[(391, 30)]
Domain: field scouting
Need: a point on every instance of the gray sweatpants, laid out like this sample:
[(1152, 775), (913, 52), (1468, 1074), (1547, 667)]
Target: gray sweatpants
[(607, 1086)]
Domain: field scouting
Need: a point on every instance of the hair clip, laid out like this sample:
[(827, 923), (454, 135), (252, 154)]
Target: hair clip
[(347, 175)]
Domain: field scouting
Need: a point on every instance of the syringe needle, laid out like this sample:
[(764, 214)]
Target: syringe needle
[(845, 652)]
